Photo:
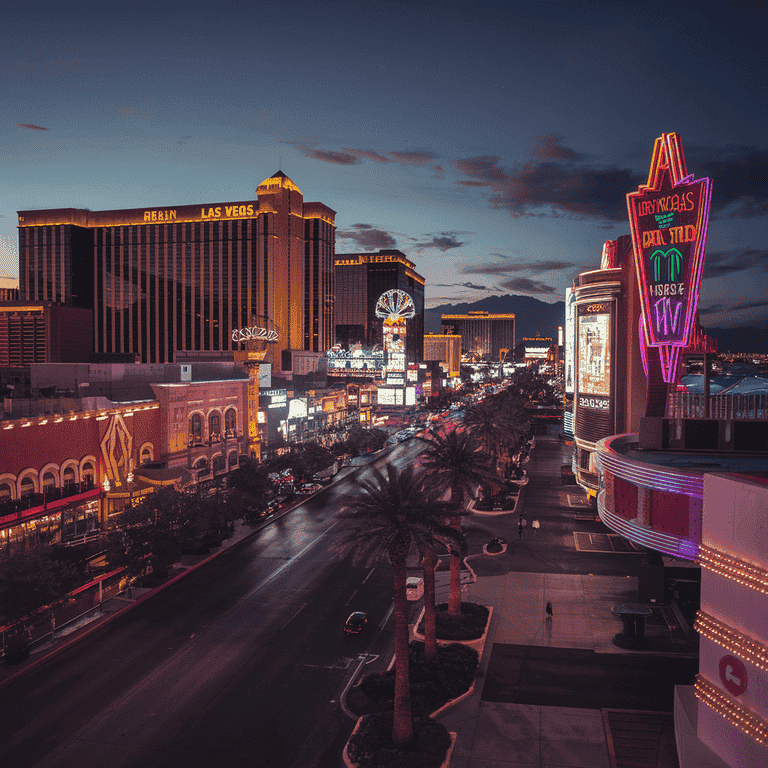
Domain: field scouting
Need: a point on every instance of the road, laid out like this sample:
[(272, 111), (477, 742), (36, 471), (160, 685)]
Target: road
[(240, 663)]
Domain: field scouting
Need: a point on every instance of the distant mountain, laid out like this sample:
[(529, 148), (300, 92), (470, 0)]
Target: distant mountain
[(746, 340), (531, 315)]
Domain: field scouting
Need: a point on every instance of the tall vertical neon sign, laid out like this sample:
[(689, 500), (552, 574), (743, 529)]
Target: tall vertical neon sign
[(668, 217)]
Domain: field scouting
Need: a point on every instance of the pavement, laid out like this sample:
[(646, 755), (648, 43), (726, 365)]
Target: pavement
[(551, 692), (557, 692)]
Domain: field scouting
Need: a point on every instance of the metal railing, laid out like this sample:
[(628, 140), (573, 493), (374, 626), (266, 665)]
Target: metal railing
[(684, 405)]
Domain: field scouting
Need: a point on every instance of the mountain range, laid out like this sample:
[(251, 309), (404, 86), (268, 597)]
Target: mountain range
[(534, 317)]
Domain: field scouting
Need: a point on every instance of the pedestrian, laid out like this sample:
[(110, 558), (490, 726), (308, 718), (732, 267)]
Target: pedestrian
[(535, 525), (520, 529), (549, 610)]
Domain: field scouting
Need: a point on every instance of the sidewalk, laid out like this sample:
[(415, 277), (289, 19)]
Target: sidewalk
[(494, 734)]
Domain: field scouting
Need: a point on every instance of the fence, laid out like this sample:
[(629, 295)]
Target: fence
[(683, 405), (46, 622)]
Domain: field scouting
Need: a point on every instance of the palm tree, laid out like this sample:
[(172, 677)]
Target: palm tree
[(387, 515), (455, 461), (489, 426)]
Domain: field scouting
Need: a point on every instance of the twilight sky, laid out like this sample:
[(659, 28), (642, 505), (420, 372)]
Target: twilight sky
[(493, 143)]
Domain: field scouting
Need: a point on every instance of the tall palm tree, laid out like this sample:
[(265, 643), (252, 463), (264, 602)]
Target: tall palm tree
[(489, 426), (456, 462), (388, 514)]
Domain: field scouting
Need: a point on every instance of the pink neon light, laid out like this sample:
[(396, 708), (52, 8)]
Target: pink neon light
[(662, 315)]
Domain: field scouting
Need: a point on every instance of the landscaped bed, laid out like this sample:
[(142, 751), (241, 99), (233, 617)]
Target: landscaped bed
[(370, 746), (433, 684), (470, 625)]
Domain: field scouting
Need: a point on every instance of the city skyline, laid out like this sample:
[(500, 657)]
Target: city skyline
[(493, 144)]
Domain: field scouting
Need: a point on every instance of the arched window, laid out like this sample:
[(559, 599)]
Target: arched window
[(27, 486), (233, 458), (201, 463), (230, 421), (69, 476), (146, 455), (88, 474), (49, 481), (6, 492), (214, 424), (196, 428)]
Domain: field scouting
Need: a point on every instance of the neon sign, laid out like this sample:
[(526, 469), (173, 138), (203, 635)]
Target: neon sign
[(247, 334), (668, 217)]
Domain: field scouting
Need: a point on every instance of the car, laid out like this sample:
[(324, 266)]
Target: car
[(414, 587), (356, 622), (309, 488)]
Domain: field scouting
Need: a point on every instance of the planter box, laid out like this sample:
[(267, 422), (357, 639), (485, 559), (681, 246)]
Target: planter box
[(477, 644), (445, 764)]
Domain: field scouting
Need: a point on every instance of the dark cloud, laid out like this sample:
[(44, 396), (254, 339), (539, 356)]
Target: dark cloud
[(443, 241), (472, 286), (567, 189), (367, 153), (716, 309), (368, 237), (721, 263), (525, 285), (549, 148), (330, 156), (439, 171), (506, 268), (31, 127), (413, 158), (738, 179)]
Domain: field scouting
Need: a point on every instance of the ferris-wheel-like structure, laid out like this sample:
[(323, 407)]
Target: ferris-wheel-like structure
[(394, 306)]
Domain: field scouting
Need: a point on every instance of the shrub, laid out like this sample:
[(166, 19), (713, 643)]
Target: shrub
[(470, 625), (372, 747), (432, 684)]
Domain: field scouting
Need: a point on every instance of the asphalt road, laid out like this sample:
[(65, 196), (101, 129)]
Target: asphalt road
[(240, 663)]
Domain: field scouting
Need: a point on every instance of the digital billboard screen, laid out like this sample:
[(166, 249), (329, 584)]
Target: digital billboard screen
[(594, 371)]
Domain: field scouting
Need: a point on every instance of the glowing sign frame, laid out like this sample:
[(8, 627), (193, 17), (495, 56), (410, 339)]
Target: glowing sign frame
[(669, 278)]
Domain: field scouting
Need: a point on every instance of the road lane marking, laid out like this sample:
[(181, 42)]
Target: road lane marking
[(369, 575)]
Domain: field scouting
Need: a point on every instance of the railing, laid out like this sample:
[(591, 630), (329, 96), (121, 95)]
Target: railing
[(51, 495), (684, 405)]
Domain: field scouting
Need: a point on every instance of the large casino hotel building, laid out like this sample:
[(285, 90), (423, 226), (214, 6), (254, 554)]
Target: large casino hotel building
[(187, 277)]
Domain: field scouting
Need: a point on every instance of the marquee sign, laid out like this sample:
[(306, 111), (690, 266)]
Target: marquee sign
[(255, 332), (668, 217)]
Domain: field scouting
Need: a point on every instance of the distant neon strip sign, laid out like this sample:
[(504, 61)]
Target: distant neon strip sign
[(668, 217)]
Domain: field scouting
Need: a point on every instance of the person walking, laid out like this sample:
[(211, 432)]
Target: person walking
[(520, 529), (549, 610)]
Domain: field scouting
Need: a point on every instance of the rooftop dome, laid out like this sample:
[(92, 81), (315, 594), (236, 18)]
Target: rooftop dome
[(277, 182)]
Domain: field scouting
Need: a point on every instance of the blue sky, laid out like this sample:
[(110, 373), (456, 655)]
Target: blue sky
[(493, 143)]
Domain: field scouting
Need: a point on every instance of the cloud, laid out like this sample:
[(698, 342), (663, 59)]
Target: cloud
[(3, 216), (439, 171), (444, 241), (537, 267), (722, 263), (472, 286), (367, 153), (566, 188), (525, 285), (413, 158), (549, 147), (31, 127), (368, 237), (738, 179), (330, 156)]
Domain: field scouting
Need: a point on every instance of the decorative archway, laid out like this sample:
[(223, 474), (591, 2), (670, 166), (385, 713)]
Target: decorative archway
[(214, 424), (26, 483), (195, 428), (70, 472), (146, 453)]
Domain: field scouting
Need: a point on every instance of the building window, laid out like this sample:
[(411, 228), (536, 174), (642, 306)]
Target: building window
[(6, 493), (146, 455), (230, 421), (27, 487), (88, 475), (49, 481), (196, 429), (214, 425), (69, 476)]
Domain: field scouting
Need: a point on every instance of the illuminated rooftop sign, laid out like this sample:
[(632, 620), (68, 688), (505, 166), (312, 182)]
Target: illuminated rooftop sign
[(254, 332), (668, 217)]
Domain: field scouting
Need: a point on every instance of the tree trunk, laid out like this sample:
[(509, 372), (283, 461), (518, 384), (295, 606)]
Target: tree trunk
[(454, 593), (428, 562), (402, 727)]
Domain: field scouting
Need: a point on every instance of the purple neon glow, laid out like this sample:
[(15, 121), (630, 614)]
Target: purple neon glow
[(643, 346), (647, 475), (676, 546)]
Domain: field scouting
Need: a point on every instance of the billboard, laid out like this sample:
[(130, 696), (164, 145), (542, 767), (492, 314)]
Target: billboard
[(668, 217), (570, 335), (594, 355)]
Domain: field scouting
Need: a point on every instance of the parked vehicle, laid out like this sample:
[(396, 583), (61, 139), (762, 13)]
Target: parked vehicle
[(356, 622), (414, 587)]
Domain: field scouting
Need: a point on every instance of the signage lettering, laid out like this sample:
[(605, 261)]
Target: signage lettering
[(160, 215), (599, 403), (230, 211)]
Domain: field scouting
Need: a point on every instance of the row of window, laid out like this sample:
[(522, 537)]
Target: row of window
[(214, 425)]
